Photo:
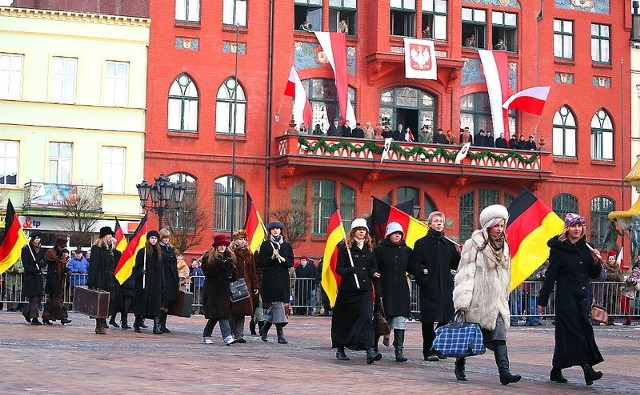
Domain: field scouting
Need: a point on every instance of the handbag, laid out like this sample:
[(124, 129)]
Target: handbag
[(239, 290), (379, 322), (599, 314), (459, 338)]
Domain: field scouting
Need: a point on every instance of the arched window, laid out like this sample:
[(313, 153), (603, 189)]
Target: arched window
[(564, 133), (601, 206), (228, 193), (469, 211), (475, 113), (601, 136), (227, 96), (466, 215), (185, 217), (324, 101), (564, 204), (183, 105), (408, 106)]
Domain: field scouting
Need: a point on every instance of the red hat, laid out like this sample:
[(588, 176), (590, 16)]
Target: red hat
[(613, 252), (304, 257), (220, 240)]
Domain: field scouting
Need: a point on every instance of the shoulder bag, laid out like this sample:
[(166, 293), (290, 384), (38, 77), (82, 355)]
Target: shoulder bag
[(599, 314), (239, 290)]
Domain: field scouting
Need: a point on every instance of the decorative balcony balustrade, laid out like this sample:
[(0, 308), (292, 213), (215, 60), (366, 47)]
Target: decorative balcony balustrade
[(62, 197)]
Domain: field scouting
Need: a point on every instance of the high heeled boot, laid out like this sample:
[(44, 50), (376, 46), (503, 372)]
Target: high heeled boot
[(124, 321), (156, 326), (264, 331), (137, 324), (590, 375), (252, 327), (398, 344), (163, 322), (459, 369), (556, 375), (280, 332), (502, 361)]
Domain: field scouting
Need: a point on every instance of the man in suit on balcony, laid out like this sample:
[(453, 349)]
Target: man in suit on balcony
[(335, 129)]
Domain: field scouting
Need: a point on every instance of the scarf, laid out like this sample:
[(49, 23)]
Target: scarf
[(435, 234), (359, 243), (276, 240), (497, 246)]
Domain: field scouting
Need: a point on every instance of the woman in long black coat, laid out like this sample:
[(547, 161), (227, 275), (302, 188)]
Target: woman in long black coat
[(148, 275), (434, 257), (57, 258), (275, 259), (104, 258), (393, 257), (571, 264), (32, 283), (351, 325), (171, 279)]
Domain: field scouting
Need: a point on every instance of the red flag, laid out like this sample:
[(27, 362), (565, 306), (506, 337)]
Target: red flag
[(301, 106), (128, 258), (254, 226), (530, 100), (496, 73), (12, 241), (121, 240), (335, 235)]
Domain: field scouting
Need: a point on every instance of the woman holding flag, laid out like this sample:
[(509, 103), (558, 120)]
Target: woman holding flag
[(104, 259), (351, 323), (148, 274)]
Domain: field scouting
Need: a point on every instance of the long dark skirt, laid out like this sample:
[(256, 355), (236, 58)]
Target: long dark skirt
[(351, 325), (54, 308)]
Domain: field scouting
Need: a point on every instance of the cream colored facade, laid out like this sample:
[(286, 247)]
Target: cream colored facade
[(90, 122)]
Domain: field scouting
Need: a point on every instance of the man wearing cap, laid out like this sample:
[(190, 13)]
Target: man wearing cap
[(78, 265), (57, 258), (275, 259), (32, 257), (434, 259)]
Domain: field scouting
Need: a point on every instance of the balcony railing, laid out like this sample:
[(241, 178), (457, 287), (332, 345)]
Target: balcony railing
[(51, 196)]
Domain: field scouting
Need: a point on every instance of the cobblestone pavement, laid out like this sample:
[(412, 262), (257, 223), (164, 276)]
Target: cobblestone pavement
[(72, 359)]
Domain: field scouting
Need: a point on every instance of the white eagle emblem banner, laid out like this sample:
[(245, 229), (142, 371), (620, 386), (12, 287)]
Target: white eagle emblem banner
[(420, 59)]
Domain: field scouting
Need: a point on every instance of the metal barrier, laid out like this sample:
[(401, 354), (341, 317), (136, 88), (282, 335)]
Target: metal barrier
[(306, 297)]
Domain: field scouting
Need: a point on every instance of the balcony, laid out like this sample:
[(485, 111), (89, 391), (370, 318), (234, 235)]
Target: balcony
[(299, 154), (56, 199)]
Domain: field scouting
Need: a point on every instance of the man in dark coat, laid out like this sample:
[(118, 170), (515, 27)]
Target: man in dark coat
[(433, 262), (501, 142), (393, 257), (335, 130), (275, 259), (346, 129), (439, 137), (305, 285), (358, 132), (32, 257)]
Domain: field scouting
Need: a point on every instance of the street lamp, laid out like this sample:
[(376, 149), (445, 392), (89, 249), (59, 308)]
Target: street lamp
[(163, 195)]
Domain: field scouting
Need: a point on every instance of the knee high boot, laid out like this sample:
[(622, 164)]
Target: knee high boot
[(252, 327), (590, 375), (100, 323), (163, 322), (279, 331), (265, 330), (502, 361), (156, 326), (136, 324), (398, 344), (124, 321), (459, 369)]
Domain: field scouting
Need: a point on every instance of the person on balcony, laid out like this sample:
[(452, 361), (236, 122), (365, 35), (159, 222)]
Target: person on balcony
[(425, 136), (317, 131), (439, 137), (501, 142), (408, 135), (513, 142), (306, 26), (368, 131), (343, 27), (531, 144), (500, 45), (346, 130), (357, 132), (465, 136), (398, 134), (335, 129)]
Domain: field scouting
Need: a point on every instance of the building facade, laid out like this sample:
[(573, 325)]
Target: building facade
[(72, 118)]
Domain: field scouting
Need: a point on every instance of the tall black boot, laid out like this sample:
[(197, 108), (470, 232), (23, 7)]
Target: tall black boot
[(137, 324), (265, 330), (341, 355), (590, 375), (372, 356), (279, 331), (556, 375), (252, 327), (163, 322), (502, 361), (156, 326), (375, 343), (398, 344), (459, 369), (123, 321), (113, 322)]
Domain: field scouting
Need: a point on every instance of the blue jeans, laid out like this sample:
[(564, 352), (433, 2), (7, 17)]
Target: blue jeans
[(534, 318), (225, 328), (515, 305)]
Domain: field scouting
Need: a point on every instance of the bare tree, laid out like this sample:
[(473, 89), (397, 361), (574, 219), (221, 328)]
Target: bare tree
[(295, 221), (82, 209), (187, 224)]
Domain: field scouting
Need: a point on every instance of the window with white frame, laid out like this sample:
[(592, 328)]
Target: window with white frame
[(474, 28), (309, 11), (113, 169), (234, 12), (342, 16), (225, 112), (434, 19), (504, 31), (601, 136), (60, 158), (183, 105), (11, 67), (64, 79), (117, 84), (600, 43), (188, 10), (9, 151), (403, 18), (564, 133), (563, 39)]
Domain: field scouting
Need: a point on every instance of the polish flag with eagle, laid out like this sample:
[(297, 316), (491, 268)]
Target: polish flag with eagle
[(420, 59)]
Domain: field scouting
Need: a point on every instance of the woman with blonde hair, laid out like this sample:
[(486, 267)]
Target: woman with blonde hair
[(246, 268), (351, 323)]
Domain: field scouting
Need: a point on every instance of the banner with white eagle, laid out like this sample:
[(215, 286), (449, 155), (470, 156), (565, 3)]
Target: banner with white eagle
[(420, 59)]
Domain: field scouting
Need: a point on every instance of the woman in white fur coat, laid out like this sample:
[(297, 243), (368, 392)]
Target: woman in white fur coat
[(482, 288)]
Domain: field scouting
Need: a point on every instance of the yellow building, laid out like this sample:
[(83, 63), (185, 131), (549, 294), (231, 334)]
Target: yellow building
[(72, 117)]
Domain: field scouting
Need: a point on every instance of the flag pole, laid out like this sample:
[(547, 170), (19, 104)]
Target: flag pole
[(144, 268), (355, 276)]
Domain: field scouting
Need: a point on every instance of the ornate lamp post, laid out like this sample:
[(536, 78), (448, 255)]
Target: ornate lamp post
[(160, 196)]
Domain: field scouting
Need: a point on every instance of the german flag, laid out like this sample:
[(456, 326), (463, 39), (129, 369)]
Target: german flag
[(384, 213), (128, 258), (12, 241), (121, 241), (531, 224), (335, 235), (254, 226)]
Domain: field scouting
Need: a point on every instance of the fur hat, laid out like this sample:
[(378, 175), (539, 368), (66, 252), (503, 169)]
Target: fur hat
[(153, 233), (61, 241), (491, 215), (571, 219), (220, 240), (239, 234), (35, 235), (106, 230), (393, 227), (359, 223), (274, 225)]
